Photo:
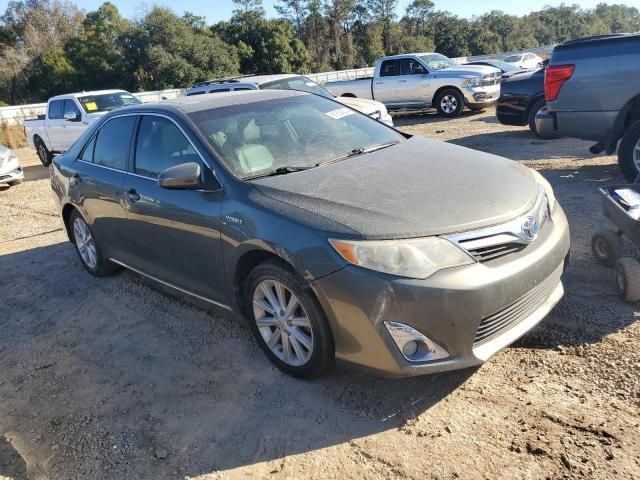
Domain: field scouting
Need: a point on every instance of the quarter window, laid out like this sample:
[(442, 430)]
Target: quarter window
[(389, 68), (56, 110), (161, 145), (112, 143)]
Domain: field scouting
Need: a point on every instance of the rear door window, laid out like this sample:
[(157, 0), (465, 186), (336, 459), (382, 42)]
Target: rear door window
[(389, 68), (56, 109), (113, 142)]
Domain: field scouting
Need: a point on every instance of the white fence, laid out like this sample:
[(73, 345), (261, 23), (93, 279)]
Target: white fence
[(15, 115)]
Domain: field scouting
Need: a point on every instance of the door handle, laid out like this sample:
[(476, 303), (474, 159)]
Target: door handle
[(378, 83), (402, 81), (133, 195)]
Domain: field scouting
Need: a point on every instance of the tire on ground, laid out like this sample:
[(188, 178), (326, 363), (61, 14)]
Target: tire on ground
[(455, 99), (627, 150), (103, 265), (538, 105), (44, 154), (628, 279)]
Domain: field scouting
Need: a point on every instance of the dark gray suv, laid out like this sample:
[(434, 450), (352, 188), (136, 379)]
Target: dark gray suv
[(336, 236)]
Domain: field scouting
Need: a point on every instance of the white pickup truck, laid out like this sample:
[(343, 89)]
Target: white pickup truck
[(68, 116), (417, 81)]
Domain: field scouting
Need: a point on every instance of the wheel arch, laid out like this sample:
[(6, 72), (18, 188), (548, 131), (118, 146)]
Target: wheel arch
[(67, 210), (628, 115), (441, 89)]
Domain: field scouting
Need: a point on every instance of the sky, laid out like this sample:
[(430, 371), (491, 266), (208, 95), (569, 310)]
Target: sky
[(216, 10)]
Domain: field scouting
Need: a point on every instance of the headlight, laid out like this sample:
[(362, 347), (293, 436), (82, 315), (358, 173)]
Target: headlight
[(547, 188), (412, 258), (471, 82)]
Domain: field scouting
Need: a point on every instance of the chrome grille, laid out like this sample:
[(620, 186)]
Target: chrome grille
[(491, 326), (490, 79), (493, 252)]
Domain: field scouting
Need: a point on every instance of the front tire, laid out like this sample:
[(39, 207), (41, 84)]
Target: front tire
[(87, 247), (44, 154), (629, 153), (538, 106), (450, 103), (287, 321)]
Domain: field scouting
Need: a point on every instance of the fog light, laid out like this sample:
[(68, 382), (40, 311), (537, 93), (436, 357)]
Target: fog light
[(410, 348), (413, 345)]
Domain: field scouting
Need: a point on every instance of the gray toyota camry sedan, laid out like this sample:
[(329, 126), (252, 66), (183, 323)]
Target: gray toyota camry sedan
[(337, 237)]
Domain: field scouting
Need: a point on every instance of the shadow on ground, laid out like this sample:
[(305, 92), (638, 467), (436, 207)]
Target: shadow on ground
[(12, 465)]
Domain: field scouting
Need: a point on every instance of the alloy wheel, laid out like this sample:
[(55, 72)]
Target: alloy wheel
[(85, 244), (283, 323), (636, 155), (448, 104)]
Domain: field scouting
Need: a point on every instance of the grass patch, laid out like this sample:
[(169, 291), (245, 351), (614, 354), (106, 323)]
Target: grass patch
[(12, 136)]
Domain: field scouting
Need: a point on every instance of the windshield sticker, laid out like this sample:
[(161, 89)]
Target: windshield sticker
[(339, 113), (91, 106)]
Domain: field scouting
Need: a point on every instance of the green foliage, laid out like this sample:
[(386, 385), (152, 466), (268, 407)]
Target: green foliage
[(49, 47)]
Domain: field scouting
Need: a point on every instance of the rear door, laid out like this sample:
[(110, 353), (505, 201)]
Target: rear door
[(98, 180), (174, 234), (385, 85), (55, 124), (413, 83)]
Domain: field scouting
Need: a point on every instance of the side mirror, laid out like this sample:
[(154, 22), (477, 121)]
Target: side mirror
[(70, 116), (183, 176)]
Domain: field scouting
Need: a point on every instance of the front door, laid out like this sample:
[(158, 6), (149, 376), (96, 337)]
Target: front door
[(174, 234), (71, 129), (413, 83), (385, 85), (98, 177)]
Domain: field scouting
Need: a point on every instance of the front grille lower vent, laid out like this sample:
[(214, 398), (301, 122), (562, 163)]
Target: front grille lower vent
[(493, 252)]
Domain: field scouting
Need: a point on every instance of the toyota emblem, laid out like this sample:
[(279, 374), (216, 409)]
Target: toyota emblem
[(530, 228)]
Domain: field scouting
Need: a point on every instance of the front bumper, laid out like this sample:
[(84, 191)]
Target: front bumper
[(481, 96), (448, 307), (15, 175)]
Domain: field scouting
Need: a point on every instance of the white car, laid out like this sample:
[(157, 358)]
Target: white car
[(524, 60), (10, 171), (68, 116), (374, 109)]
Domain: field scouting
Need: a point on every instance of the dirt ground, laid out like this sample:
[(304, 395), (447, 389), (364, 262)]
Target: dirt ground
[(114, 379)]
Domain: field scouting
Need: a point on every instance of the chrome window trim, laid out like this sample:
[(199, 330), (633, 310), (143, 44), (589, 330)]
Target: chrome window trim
[(101, 166), (170, 285), (509, 232)]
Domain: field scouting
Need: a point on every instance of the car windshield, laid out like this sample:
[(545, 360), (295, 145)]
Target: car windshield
[(107, 101), (435, 61), (298, 132), (513, 58), (504, 66), (301, 84)]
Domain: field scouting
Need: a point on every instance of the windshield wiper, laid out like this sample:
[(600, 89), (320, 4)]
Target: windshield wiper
[(279, 171), (358, 151)]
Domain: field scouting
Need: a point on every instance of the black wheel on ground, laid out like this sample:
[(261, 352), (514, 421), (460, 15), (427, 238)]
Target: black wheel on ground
[(450, 103), (14, 183), (538, 106), (44, 155), (628, 279), (88, 248), (287, 320), (606, 246), (629, 153)]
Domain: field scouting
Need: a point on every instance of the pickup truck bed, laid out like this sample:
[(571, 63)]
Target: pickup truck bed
[(593, 93)]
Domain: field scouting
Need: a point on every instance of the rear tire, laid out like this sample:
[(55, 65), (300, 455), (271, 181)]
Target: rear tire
[(538, 106), (629, 153), (87, 247), (44, 154), (628, 279), (301, 341), (606, 246), (450, 103)]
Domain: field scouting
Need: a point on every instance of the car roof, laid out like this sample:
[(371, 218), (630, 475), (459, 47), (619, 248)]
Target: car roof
[(243, 81), (83, 94), (196, 103), (406, 55)]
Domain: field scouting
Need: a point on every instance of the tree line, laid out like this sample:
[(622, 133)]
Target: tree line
[(49, 47)]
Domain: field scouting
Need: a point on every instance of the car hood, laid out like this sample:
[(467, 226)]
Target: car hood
[(362, 104), (467, 70), (519, 75), (417, 188)]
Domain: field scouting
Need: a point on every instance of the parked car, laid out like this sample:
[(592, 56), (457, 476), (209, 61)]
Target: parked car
[(10, 171), (69, 115), (521, 98), (524, 60), (587, 101), (506, 68), (425, 80), (299, 83), (335, 235)]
